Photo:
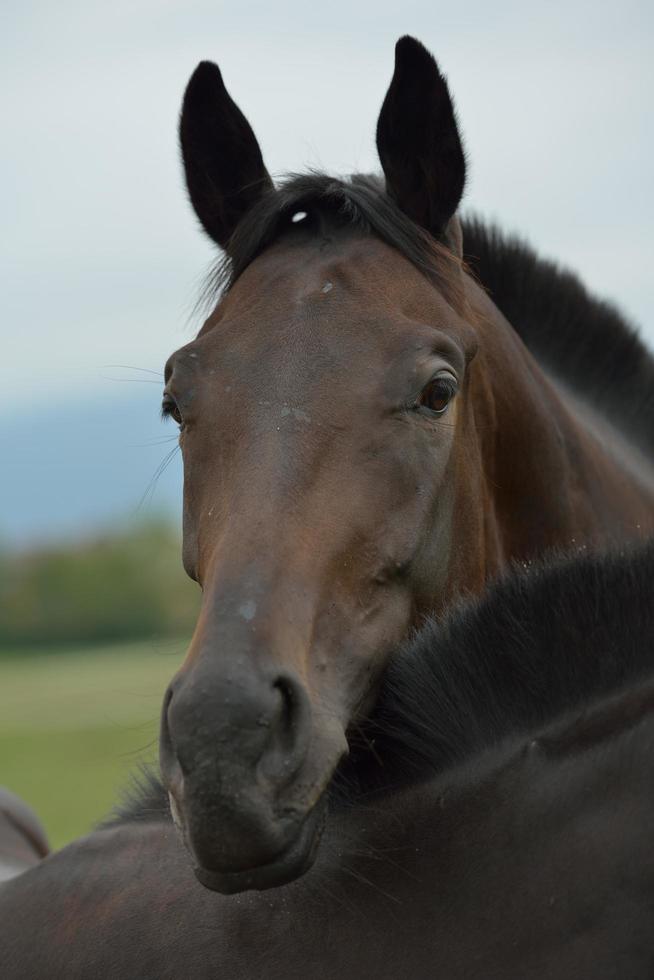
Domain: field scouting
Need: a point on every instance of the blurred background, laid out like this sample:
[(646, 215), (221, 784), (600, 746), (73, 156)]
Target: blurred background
[(101, 260)]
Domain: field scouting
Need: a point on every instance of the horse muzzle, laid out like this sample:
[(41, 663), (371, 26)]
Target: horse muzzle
[(246, 772)]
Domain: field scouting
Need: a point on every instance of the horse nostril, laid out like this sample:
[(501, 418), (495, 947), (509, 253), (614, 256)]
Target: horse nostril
[(286, 717), (290, 728)]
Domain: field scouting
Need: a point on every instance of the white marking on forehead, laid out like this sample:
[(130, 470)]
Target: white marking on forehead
[(297, 413), (328, 285), (247, 609)]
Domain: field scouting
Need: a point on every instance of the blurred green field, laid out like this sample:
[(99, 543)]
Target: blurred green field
[(73, 725)]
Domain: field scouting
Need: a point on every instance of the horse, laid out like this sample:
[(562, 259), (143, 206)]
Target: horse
[(384, 406), (497, 823)]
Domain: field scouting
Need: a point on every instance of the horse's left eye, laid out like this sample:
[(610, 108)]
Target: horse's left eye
[(437, 395)]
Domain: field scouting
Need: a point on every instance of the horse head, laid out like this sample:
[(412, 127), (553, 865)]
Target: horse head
[(318, 416)]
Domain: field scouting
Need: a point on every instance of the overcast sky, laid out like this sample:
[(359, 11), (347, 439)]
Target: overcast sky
[(100, 251)]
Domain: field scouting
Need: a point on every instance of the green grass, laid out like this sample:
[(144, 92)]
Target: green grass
[(73, 726)]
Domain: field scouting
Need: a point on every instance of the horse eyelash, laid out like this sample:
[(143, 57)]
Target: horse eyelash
[(168, 406), (167, 413)]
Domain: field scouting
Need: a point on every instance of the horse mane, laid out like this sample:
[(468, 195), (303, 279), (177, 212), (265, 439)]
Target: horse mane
[(542, 641), (142, 800), (584, 341)]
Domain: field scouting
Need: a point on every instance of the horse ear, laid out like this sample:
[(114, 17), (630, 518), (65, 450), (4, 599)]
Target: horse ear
[(225, 173), (418, 140)]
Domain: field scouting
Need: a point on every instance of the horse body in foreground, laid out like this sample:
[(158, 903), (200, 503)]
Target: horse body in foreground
[(494, 822), (365, 437)]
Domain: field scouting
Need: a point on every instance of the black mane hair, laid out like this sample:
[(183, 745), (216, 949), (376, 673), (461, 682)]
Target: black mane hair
[(542, 641), (584, 341), (143, 800)]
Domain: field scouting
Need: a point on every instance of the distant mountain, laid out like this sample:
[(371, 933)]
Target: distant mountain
[(76, 467)]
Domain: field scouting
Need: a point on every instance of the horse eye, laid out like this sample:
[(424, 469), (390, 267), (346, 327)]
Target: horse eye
[(169, 409), (437, 395)]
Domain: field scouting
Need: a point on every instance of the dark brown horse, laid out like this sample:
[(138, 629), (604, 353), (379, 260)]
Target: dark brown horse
[(365, 436), (500, 828)]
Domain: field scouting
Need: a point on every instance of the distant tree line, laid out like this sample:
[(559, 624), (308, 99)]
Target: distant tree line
[(123, 586)]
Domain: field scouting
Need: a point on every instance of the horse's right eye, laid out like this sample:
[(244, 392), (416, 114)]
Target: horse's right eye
[(169, 409)]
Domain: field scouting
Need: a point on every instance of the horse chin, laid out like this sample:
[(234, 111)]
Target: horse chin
[(294, 861)]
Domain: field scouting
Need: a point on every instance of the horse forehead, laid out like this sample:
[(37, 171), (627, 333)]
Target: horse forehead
[(341, 275)]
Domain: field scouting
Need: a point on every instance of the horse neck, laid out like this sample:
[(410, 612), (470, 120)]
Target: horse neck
[(533, 473)]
